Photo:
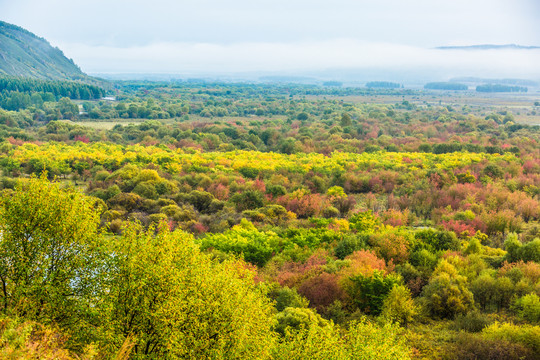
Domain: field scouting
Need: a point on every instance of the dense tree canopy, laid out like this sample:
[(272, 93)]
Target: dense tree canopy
[(218, 220)]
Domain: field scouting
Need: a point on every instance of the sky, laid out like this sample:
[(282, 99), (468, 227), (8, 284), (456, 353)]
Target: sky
[(292, 36)]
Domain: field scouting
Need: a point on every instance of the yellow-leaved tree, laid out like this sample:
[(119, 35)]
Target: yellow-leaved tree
[(47, 250), (176, 303)]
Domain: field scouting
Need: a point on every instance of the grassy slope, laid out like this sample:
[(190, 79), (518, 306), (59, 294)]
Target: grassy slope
[(24, 54)]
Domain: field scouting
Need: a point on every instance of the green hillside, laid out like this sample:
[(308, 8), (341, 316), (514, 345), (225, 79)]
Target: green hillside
[(24, 54)]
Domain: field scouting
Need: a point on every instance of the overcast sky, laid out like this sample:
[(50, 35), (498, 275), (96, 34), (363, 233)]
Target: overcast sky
[(216, 36)]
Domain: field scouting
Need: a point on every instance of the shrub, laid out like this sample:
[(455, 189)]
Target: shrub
[(364, 221), (298, 319), (526, 335), (392, 246), (201, 201), (399, 306), (517, 251), (321, 290), (475, 347), (364, 262), (29, 340), (367, 293), (248, 200), (363, 340), (484, 289), (350, 244), (256, 247), (473, 321), (528, 308), (48, 248), (286, 297), (177, 303), (446, 293), (434, 240), (423, 259)]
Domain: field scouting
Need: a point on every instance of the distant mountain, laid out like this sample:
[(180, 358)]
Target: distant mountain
[(24, 54), (489, 47)]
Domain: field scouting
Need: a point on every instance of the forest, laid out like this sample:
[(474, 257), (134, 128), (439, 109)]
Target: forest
[(207, 220)]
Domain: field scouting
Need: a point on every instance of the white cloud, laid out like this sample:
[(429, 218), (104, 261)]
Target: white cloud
[(185, 58)]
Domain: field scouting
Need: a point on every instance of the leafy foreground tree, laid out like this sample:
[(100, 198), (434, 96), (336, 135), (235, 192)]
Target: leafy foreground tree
[(47, 251), (153, 290), (177, 303)]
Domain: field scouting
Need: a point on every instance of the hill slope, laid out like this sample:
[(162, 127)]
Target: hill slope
[(24, 54)]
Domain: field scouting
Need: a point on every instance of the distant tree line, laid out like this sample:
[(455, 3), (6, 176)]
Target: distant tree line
[(500, 88), (332, 83), (383, 85), (445, 86), (70, 89)]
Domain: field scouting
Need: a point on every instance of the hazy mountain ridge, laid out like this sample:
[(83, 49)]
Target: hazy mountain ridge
[(489, 47), (22, 53)]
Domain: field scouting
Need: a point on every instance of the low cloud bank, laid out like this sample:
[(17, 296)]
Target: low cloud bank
[(186, 58)]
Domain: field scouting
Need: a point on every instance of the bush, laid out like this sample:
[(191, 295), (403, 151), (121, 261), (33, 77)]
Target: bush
[(177, 303), (517, 251), (330, 212), (447, 294), (350, 244), (423, 259), (399, 306), (257, 247), (276, 190), (248, 200), (286, 297), (473, 321), (476, 347), (363, 340), (367, 293), (321, 290), (526, 335), (392, 246), (368, 341), (528, 308), (364, 221), (48, 247), (28, 340), (201, 201), (434, 240), (298, 319)]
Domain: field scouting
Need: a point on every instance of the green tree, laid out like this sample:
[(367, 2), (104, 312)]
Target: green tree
[(528, 307), (345, 120), (47, 249), (399, 306), (67, 108), (248, 200), (177, 303), (286, 297), (369, 292), (296, 318), (484, 289), (447, 293)]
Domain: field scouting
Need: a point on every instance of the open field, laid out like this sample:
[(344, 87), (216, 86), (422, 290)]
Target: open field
[(521, 105)]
